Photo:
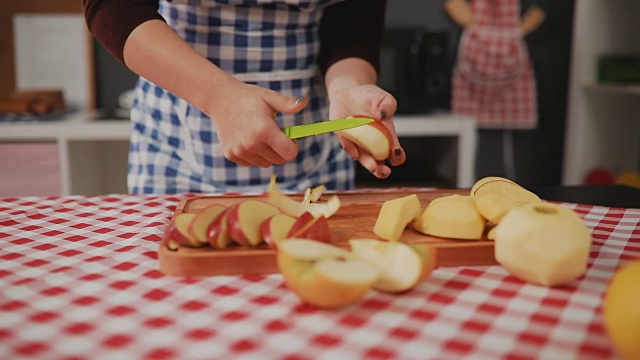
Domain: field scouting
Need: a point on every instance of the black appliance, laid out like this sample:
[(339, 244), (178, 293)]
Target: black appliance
[(415, 67)]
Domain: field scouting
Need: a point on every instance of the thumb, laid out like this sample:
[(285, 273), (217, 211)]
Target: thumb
[(286, 104)]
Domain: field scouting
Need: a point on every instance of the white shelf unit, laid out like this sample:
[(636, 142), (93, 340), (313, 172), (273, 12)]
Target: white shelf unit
[(92, 154), (603, 120)]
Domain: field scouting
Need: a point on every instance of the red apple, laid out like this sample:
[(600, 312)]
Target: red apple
[(218, 231), (275, 229), (373, 138), (301, 221), (177, 232), (315, 229), (202, 220), (244, 221)]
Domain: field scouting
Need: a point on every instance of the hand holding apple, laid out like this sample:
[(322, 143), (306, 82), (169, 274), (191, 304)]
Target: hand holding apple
[(348, 97)]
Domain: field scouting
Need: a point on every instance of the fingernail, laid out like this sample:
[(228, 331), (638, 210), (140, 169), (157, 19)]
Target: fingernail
[(397, 151), (383, 115)]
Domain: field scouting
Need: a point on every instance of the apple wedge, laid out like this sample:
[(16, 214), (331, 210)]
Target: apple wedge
[(374, 138), (514, 192), (244, 220), (315, 228), (324, 275), (452, 216), (177, 232), (275, 229), (395, 215), (543, 243), (493, 206), (218, 231), (401, 265), (202, 220)]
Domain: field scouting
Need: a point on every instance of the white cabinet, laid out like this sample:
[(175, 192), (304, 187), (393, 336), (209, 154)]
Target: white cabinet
[(75, 155), (603, 122)]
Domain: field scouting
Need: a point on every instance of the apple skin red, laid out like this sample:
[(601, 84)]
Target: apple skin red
[(244, 220), (177, 232), (315, 229), (280, 223), (201, 222), (218, 232)]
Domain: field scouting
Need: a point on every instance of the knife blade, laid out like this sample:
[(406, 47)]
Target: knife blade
[(321, 127)]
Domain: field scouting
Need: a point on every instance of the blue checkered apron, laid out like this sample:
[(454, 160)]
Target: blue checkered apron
[(269, 43)]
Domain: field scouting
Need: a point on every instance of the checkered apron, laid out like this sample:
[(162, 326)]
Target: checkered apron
[(493, 80), (269, 43)]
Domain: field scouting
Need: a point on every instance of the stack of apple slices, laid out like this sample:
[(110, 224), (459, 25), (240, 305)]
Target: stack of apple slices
[(249, 223)]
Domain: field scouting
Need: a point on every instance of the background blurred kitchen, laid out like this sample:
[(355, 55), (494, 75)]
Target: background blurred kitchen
[(418, 58)]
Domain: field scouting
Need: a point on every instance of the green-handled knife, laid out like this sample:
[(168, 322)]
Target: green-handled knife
[(298, 131)]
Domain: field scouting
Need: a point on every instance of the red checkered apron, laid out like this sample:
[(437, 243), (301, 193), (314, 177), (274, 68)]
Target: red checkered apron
[(493, 80)]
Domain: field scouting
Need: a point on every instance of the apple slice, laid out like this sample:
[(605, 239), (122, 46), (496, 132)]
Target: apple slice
[(395, 215), (373, 138), (244, 220), (544, 243), (177, 232), (401, 265), (514, 192), (316, 228), (493, 206), (202, 220), (218, 231), (324, 275), (301, 221), (452, 216), (275, 229)]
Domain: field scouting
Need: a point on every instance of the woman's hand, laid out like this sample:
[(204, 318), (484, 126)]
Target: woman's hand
[(369, 100), (243, 115)]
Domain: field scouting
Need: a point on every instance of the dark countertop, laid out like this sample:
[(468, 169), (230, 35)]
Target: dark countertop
[(604, 195)]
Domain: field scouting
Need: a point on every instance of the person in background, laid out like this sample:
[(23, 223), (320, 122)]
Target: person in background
[(220, 78)]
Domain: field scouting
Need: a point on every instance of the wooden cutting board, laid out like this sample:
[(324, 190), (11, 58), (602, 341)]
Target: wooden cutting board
[(355, 219)]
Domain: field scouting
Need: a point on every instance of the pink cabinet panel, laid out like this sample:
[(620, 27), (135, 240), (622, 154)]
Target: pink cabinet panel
[(29, 169)]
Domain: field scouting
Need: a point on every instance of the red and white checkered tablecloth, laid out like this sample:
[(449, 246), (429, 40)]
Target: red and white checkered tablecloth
[(79, 279)]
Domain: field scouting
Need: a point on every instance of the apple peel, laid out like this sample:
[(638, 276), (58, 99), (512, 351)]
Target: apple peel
[(294, 208)]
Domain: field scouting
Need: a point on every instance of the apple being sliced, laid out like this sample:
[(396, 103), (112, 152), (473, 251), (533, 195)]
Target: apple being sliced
[(395, 215), (218, 231), (324, 275), (402, 266), (244, 220), (177, 232), (452, 216), (275, 229), (373, 138), (202, 220), (314, 228)]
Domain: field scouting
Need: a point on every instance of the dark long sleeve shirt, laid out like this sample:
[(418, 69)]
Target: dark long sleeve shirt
[(352, 28)]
